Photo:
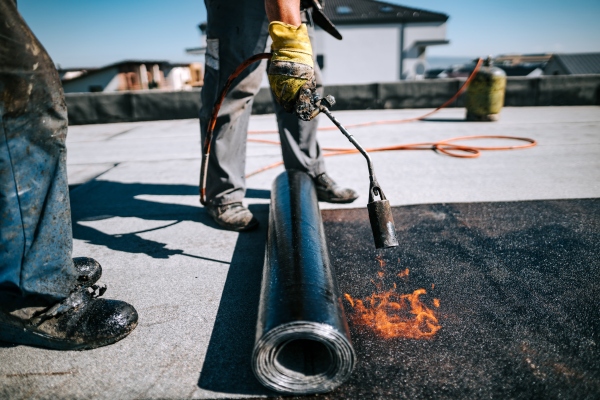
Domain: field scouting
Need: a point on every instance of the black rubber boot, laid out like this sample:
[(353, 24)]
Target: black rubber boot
[(234, 217), (82, 321), (89, 270), (329, 191)]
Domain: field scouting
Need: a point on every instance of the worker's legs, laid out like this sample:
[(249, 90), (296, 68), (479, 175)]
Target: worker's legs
[(236, 30), (45, 297), (299, 145), (35, 222)]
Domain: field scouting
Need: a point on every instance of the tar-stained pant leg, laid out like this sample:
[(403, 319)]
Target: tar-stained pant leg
[(35, 223), (236, 30), (299, 138)]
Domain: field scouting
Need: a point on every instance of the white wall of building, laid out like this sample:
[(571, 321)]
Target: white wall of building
[(414, 63), (107, 78), (372, 53), (113, 85), (177, 77), (423, 31), (367, 54)]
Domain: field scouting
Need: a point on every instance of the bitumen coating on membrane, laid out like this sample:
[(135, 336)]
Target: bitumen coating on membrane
[(518, 289)]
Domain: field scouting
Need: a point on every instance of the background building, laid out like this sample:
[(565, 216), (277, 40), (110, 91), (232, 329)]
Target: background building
[(133, 75), (530, 65), (573, 64), (382, 42)]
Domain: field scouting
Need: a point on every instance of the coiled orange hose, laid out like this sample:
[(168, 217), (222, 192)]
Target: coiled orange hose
[(443, 146)]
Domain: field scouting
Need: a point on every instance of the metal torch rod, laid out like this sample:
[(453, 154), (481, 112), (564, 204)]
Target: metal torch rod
[(380, 212), (352, 140)]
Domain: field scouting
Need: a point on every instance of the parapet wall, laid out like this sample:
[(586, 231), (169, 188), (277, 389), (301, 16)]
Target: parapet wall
[(566, 90), (147, 105)]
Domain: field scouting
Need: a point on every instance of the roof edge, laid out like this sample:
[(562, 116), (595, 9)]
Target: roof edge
[(397, 20)]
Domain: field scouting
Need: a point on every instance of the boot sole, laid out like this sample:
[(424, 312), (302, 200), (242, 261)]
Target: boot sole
[(18, 335), (233, 228)]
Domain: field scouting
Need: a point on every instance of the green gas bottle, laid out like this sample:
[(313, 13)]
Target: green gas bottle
[(485, 94)]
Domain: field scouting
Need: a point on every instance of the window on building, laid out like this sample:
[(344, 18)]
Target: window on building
[(321, 60), (386, 9), (342, 10)]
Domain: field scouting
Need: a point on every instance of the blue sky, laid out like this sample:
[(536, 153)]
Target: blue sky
[(92, 33)]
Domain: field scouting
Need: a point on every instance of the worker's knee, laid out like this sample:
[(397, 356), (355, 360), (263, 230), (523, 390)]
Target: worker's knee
[(31, 98)]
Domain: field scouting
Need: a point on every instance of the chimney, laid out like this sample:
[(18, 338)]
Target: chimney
[(202, 28)]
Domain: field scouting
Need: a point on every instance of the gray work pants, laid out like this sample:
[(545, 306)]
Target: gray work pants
[(238, 29), (35, 219)]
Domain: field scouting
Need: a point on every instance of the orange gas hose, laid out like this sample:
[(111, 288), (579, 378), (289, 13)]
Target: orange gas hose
[(213, 119), (443, 146), (397, 121)]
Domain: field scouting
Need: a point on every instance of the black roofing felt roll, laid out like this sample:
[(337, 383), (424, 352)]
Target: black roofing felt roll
[(302, 340)]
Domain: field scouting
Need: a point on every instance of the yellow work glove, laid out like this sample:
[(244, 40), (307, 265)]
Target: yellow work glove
[(291, 73)]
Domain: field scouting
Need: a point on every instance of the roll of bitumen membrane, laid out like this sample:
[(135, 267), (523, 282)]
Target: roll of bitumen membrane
[(302, 341)]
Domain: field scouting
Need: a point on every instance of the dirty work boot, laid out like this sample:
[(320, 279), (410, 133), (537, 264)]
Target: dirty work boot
[(89, 270), (329, 191), (82, 321), (234, 217)]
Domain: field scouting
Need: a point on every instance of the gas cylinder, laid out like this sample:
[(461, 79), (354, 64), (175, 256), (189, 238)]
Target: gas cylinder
[(485, 94)]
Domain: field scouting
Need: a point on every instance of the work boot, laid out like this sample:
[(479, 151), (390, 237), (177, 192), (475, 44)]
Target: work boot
[(329, 191), (89, 270), (82, 321), (234, 217)]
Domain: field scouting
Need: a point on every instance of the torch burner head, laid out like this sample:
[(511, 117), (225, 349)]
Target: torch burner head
[(382, 221)]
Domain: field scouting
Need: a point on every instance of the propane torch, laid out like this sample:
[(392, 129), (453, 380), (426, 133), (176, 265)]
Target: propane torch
[(380, 212)]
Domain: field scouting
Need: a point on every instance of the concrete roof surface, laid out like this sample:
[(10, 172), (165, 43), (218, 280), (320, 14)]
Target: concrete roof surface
[(135, 209)]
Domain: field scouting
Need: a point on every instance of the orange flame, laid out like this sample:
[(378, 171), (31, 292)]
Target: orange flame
[(392, 315)]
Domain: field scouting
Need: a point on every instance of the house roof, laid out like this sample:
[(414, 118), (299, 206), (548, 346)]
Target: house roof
[(515, 59), (351, 12), (91, 71), (579, 64), (60, 69), (119, 63)]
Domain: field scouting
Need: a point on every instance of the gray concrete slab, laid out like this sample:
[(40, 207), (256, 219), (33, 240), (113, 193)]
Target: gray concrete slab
[(138, 214), (565, 164)]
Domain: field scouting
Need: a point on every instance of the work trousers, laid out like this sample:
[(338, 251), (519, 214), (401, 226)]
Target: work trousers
[(35, 219), (236, 30)]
